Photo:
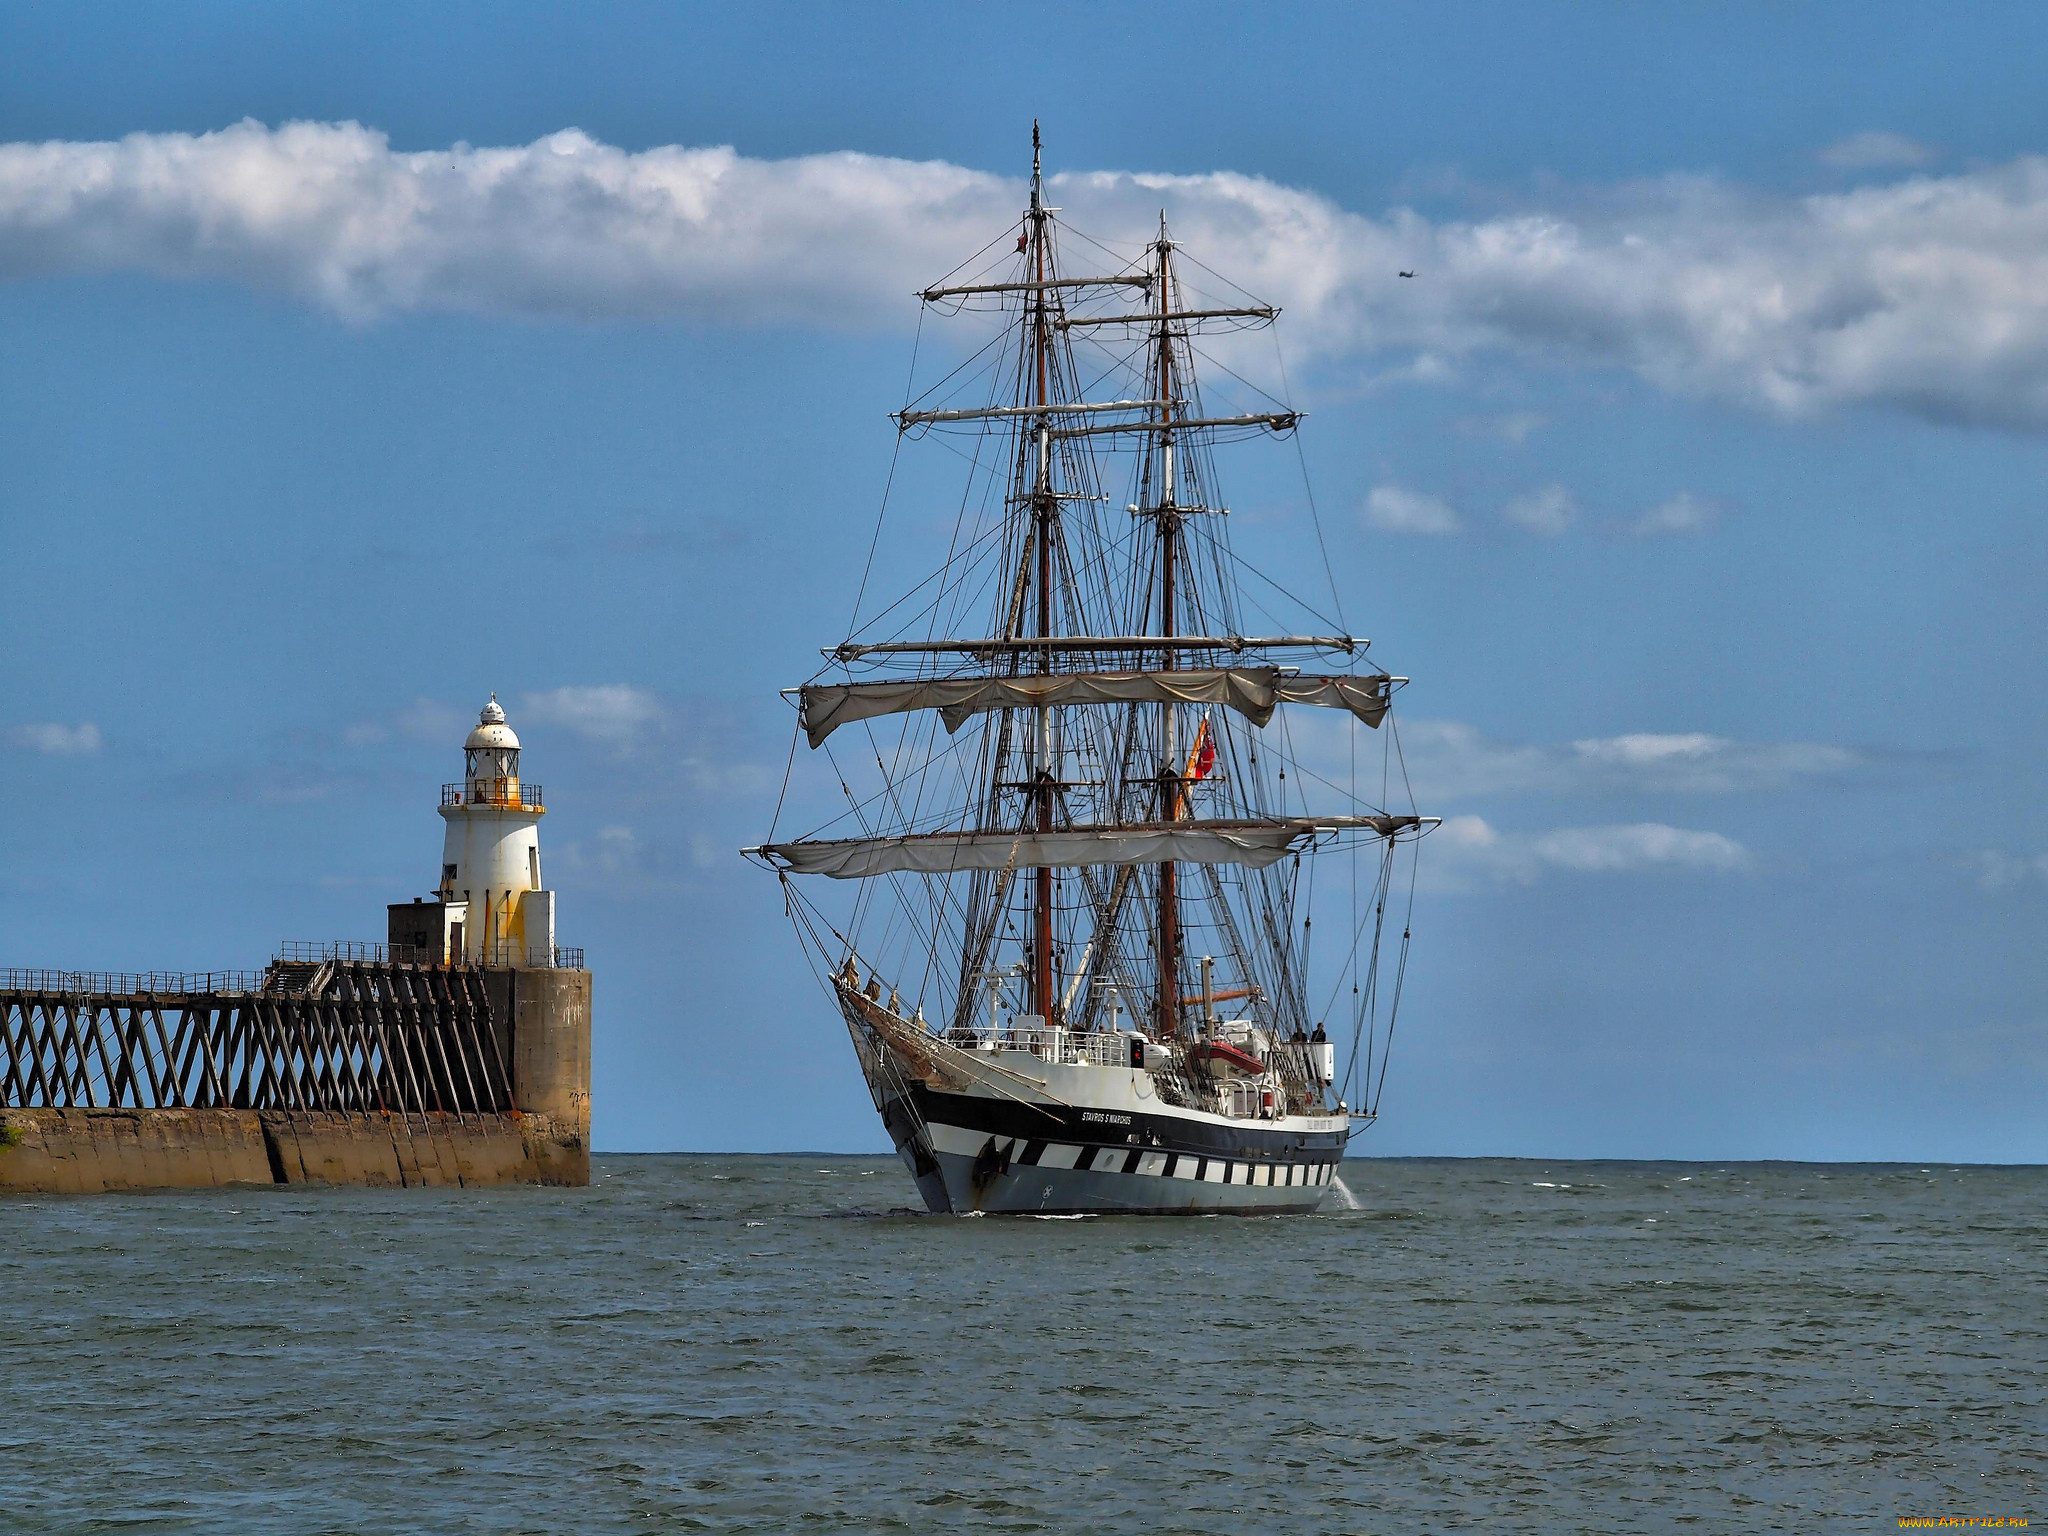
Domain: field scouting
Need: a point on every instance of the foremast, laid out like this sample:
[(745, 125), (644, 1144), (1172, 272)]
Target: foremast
[(1045, 514), (1166, 526)]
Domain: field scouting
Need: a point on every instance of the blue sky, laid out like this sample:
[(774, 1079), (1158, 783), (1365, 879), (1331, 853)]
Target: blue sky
[(1697, 480)]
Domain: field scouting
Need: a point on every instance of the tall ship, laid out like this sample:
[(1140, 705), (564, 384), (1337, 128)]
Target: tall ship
[(1065, 900)]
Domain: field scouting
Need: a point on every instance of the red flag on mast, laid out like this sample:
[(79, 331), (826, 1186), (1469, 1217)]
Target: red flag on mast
[(1201, 762)]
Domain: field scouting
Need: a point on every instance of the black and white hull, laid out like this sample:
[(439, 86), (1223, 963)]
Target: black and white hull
[(1013, 1127), (975, 1154)]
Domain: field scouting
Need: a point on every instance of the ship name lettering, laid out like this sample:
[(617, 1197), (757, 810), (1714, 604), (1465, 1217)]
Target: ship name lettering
[(1099, 1117)]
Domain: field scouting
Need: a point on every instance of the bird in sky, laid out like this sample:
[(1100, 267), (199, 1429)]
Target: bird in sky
[(1405, 274)]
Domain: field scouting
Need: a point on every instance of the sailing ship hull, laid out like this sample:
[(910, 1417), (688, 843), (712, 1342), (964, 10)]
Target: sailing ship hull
[(1007, 1132), (971, 1154)]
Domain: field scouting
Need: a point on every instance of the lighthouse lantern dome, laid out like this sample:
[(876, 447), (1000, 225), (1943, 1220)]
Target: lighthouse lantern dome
[(492, 751)]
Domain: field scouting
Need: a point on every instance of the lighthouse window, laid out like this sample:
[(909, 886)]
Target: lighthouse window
[(533, 867)]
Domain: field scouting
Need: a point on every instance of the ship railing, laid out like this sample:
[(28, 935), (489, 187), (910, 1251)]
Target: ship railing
[(1247, 1101), (509, 793), (126, 983), (1088, 1048)]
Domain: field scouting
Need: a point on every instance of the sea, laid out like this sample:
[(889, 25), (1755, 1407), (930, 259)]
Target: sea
[(781, 1344)]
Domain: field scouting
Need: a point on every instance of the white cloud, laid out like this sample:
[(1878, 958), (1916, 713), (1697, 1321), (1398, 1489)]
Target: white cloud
[(1549, 511), (709, 754), (1928, 294), (1683, 513), (1996, 870), (1470, 847), (1515, 427), (616, 850), (616, 714), (1389, 509), (57, 740), (427, 720), (563, 226), (1875, 151), (615, 856), (1448, 760)]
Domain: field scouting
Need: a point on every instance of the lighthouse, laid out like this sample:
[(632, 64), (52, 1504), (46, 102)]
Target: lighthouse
[(491, 908)]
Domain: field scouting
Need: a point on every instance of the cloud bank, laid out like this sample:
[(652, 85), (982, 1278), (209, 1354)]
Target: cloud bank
[(1875, 151), (618, 715), (1391, 509), (1683, 513), (1927, 293), (1471, 847), (55, 739), (563, 226), (1997, 870), (1549, 511), (1448, 760)]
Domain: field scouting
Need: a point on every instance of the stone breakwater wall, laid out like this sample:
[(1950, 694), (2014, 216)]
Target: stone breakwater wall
[(96, 1151), (331, 1072)]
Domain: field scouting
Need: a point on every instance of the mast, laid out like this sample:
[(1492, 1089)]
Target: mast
[(1033, 684), (1168, 1025), (1044, 508)]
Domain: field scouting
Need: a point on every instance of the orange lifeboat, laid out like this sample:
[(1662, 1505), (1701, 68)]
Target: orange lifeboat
[(1221, 1053)]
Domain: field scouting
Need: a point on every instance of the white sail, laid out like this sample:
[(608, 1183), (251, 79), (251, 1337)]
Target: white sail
[(1252, 691), (1252, 843)]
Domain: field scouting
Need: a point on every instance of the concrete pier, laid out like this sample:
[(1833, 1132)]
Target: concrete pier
[(366, 1072), (96, 1151), (549, 1012)]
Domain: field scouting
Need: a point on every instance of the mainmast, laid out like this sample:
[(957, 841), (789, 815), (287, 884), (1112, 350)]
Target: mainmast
[(1044, 509), (1166, 525)]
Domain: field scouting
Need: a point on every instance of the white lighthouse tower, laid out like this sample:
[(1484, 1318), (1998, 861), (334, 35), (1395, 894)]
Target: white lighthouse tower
[(493, 909)]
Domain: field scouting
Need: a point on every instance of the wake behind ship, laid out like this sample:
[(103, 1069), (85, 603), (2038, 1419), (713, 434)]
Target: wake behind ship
[(1073, 844)]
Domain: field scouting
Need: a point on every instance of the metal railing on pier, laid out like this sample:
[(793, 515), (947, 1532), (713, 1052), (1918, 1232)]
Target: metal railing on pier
[(352, 951), (505, 952), (358, 952), (127, 983)]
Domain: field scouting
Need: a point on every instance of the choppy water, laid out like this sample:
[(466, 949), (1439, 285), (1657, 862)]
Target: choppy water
[(773, 1344)]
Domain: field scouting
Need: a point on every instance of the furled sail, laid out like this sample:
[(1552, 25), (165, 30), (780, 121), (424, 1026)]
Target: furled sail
[(1252, 691), (1365, 697), (1255, 843)]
